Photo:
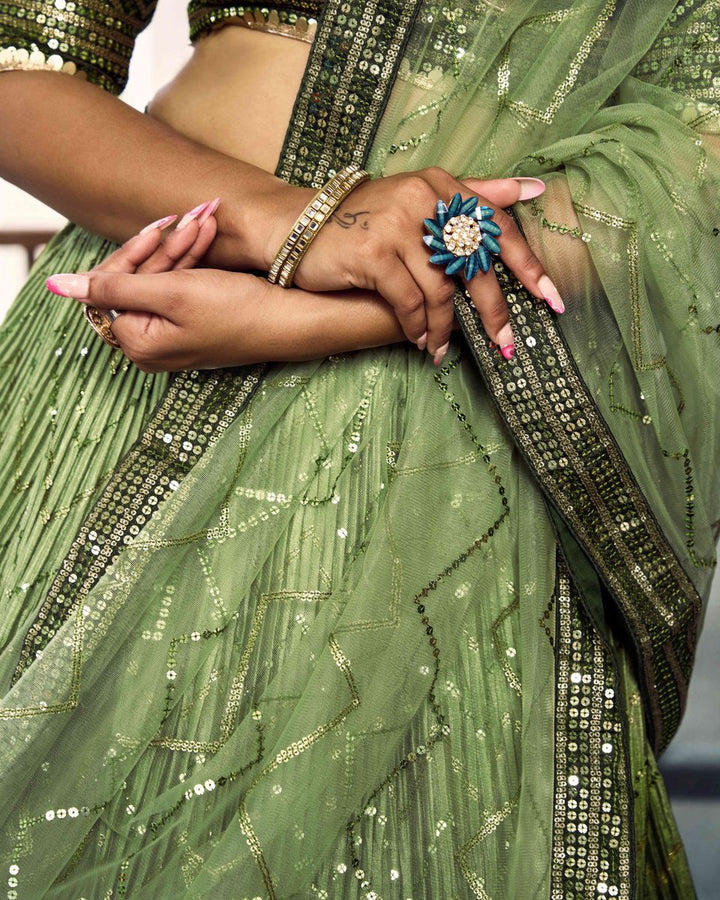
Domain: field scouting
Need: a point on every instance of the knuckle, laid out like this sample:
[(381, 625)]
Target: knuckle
[(104, 290), (417, 188), (148, 368), (446, 292), (436, 173), (162, 259), (506, 223), (493, 311), (139, 349), (412, 303), (498, 314), (441, 296)]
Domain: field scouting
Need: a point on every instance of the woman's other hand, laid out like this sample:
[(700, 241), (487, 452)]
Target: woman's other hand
[(374, 241), (175, 318), (149, 251)]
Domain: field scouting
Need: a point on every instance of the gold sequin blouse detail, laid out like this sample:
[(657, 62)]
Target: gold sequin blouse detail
[(95, 40), (296, 19), (87, 36)]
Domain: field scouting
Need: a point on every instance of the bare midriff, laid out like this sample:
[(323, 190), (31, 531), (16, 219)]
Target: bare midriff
[(236, 93)]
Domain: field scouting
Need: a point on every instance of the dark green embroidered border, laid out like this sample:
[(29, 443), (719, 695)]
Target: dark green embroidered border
[(557, 426), (592, 815), (195, 411), (343, 94)]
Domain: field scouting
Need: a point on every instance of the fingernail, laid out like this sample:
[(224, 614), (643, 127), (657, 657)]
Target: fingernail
[(550, 294), (508, 351), (422, 341), (160, 223), (69, 285), (211, 207), (440, 354), (530, 187), (506, 341), (193, 214)]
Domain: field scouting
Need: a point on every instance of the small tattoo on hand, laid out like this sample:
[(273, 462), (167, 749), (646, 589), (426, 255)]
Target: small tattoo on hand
[(348, 219)]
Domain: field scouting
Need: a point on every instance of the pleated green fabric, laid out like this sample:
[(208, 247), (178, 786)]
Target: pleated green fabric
[(311, 630)]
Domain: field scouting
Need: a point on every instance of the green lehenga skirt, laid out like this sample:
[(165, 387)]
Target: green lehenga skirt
[(328, 663)]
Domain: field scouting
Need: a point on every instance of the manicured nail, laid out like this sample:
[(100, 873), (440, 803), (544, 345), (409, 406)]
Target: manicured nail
[(440, 354), (422, 341), (530, 187), (506, 341), (69, 285), (550, 294), (508, 351), (205, 214), (193, 214), (160, 223)]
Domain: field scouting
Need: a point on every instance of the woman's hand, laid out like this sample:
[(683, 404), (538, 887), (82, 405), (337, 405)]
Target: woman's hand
[(174, 318), (210, 318), (374, 242), (147, 252)]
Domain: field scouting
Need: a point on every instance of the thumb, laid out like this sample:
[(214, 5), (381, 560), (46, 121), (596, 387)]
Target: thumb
[(113, 290), (506, 191)]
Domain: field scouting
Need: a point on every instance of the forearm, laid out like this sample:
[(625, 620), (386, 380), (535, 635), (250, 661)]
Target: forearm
[(292, 326), (111, 169)]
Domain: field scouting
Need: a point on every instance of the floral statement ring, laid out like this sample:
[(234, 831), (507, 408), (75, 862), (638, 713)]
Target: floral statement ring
[(462, 236)]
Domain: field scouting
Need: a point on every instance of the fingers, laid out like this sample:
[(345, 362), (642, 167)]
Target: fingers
[(438, 290), (188, 243), (135, 250), (491, 305), (405, 296), (483, 288), (153, 293), (522, 262), (200, 247), (515, 252), (511, 248), (145, 339), (168, 253), (182, 249), (505, 191)]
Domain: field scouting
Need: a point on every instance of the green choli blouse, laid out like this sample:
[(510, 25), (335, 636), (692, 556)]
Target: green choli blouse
[(95, 39)]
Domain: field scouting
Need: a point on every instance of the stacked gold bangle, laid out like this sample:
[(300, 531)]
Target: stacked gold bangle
[(310, 221)]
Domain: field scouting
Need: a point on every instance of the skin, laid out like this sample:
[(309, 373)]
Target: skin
[(71, 163)]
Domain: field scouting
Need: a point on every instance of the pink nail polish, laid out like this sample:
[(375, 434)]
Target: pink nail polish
[(550, 294), (160, 223), (530, 187), (69, 285), (193, 214), (206, 213), (508, 351), (440, 354), (422, 341)]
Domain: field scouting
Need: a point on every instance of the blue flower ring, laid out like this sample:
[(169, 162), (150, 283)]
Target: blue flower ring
[(462, 236)]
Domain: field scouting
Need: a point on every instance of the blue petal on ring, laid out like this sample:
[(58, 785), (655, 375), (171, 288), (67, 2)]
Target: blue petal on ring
[(474, 224)]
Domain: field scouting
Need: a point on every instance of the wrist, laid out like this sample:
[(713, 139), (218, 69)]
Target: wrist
[(253, 224)]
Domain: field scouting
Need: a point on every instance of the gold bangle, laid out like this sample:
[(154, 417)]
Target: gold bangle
[(310, 221)]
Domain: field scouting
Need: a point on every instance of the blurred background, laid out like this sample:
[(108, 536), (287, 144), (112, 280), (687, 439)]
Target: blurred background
[(692, 764)]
